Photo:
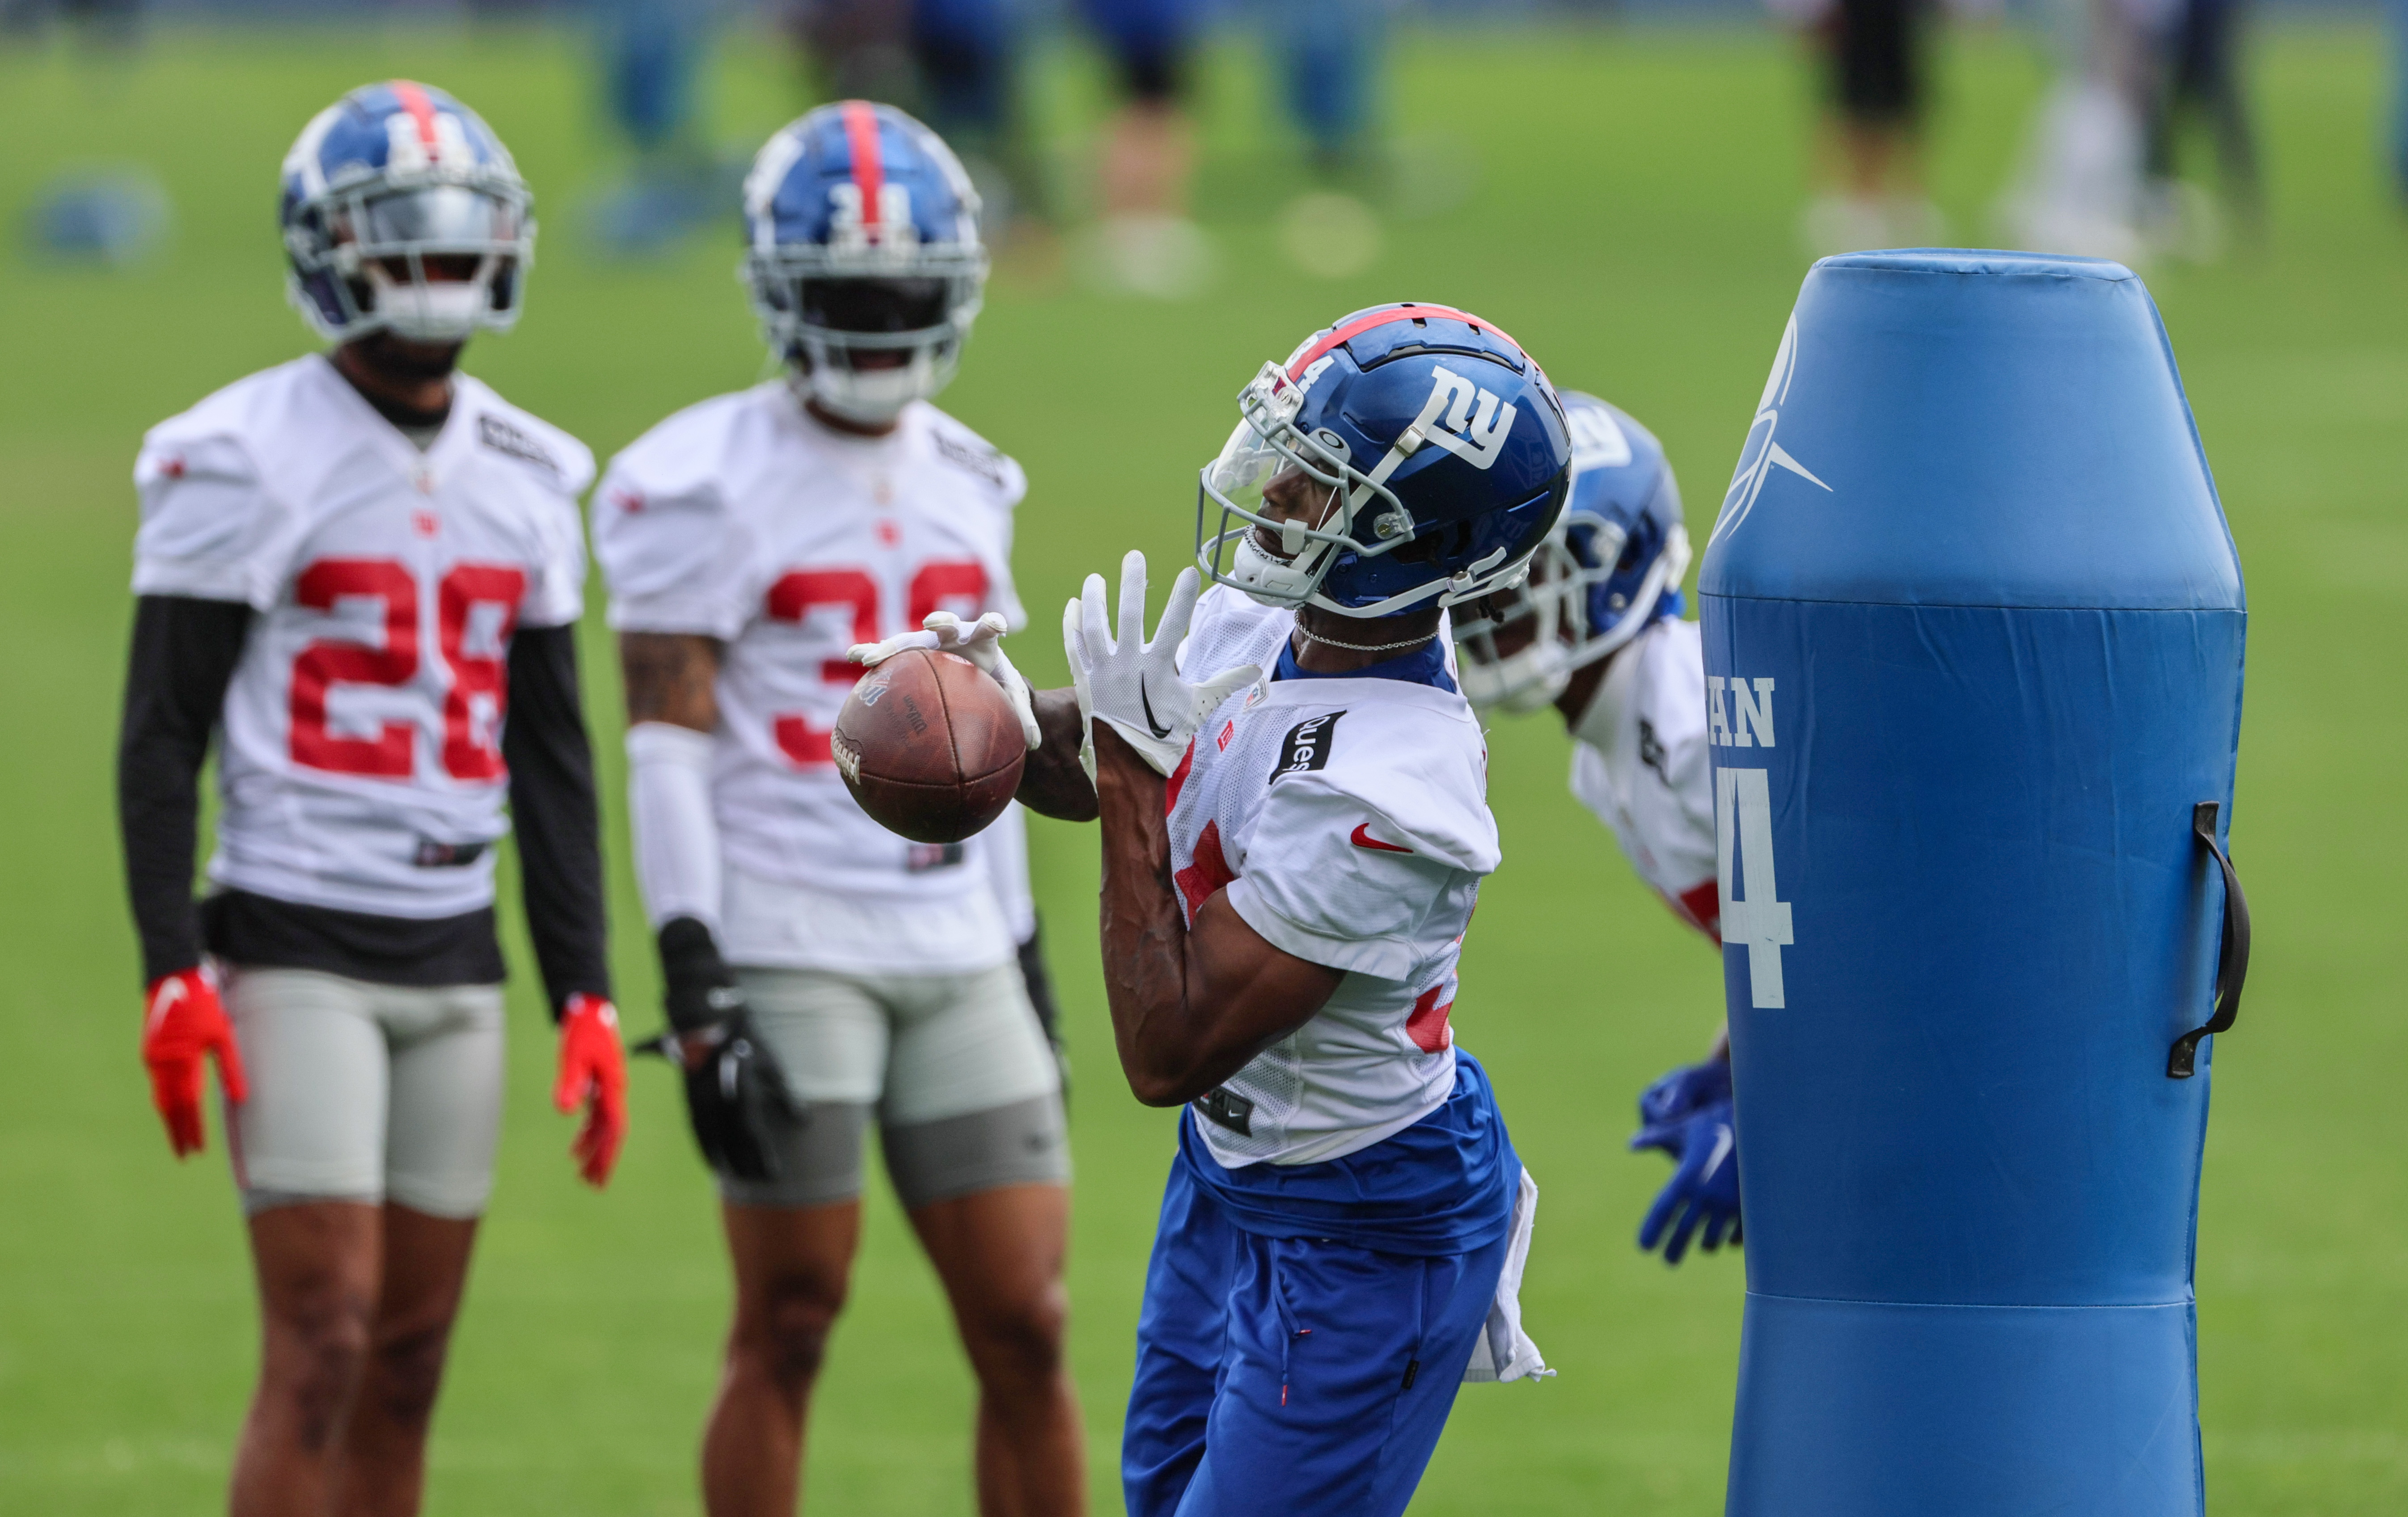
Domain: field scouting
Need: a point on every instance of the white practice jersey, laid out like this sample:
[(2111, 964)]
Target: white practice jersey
[(1639, 761), (362, 761), (1349, 821), (745, 520)]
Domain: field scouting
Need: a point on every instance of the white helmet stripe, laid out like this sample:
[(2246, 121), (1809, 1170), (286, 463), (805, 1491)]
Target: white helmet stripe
[(303, 159), (769, 168)]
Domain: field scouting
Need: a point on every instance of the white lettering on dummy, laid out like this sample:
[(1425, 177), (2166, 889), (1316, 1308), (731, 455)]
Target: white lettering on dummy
[(1759, 923)]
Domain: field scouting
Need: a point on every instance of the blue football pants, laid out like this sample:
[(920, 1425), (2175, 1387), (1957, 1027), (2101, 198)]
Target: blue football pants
[(1292, 1374)]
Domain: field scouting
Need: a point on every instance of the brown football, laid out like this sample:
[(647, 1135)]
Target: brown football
[(929, 746)]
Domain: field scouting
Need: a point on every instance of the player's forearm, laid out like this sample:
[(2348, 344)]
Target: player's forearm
[(1190, 1006), (672, 683), (1052, 783), (1145, 946), (182, 658)]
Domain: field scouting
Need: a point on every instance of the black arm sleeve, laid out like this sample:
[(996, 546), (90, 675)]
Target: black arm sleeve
[(183, 657), (553, 812)]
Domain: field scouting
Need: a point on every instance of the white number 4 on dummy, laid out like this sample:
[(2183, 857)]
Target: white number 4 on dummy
[(1760, 922)]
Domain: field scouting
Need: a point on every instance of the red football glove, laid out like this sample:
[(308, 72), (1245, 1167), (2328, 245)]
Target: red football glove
[(594, 1075), (182, 1023)]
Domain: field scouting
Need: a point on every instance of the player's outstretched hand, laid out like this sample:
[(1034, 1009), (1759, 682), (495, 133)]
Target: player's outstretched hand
[(182, 1024), (1686, 1090), (1687, 1114), (592, 1075), (1135, 685), (980, 641)]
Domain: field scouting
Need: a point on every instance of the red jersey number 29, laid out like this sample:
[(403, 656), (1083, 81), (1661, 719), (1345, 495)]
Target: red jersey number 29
[(474, 697)]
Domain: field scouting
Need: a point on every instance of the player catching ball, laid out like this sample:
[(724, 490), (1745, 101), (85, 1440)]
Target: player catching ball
[(821, 972), (363, 569), (1293, 793), (1597, 633)]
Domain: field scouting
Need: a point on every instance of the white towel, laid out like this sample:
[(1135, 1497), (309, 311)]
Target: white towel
[(1504, 1351)]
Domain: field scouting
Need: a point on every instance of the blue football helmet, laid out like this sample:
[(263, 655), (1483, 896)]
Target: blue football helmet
[(1444, 450), (864, 257), (1610, 567), (403, 213)]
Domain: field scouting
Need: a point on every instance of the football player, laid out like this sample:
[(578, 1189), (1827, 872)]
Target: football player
[(1597, 633), (1292, 793), (363, 569), (820, 970)]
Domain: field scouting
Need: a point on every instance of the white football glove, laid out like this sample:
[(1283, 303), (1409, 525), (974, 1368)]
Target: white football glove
[(1073, 646), (1135, 685), (980, 641)]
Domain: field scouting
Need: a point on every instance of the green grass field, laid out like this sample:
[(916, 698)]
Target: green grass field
[(1630, 218)]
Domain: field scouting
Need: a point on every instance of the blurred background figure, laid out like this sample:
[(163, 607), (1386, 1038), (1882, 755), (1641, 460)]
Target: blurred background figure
[(968, 58), (652, 56), (109, 217), (1873, 56), (955, 64), (2396, 146), (2198, 74), (1328, 56), (1145, 243), (856, 49), (2082, 187)]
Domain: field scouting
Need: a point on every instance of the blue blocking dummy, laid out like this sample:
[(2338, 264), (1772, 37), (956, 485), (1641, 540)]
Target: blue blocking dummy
[(1973, 629)]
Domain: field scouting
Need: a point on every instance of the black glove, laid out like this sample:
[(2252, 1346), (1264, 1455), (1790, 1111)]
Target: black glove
[(735, 1092), (699, 987), (1040, 982)]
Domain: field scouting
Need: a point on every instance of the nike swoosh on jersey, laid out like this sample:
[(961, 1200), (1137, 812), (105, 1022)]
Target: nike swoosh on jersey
[(1159, 730), (1362, 838)]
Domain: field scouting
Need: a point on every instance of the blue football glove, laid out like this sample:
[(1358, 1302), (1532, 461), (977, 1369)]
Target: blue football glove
[(1681, 1094), (1687, 1114)]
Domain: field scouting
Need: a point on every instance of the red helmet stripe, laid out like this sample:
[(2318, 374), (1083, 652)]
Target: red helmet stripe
[(422, 110), (868, 168), (1407, 312)]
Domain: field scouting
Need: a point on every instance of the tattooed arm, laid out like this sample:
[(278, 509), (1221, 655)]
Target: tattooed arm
[(671, 677), (1189, 1006)]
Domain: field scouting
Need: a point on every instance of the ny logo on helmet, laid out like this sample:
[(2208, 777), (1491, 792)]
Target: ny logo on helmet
[(1465, 420)]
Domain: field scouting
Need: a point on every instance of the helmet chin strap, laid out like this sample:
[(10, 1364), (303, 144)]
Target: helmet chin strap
[(1598, 722), (873, 397), (424, 312), (845, 395), (1518, 683)]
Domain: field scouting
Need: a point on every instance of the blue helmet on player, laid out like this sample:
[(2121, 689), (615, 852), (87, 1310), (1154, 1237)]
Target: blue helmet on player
[(1444, 447), (403, 213), (864, 256), (1611, 566)]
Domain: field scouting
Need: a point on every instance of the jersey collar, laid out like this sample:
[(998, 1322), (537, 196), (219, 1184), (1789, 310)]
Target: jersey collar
[(427, 470), (1422, 666)]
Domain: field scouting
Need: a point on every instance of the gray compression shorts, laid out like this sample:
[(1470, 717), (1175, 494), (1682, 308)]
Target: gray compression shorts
[(955, 1066), (364, 1093)]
